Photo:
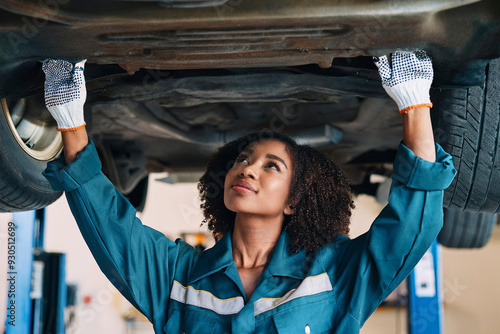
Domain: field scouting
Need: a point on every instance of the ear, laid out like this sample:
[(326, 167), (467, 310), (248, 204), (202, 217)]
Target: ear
[(288, 210)]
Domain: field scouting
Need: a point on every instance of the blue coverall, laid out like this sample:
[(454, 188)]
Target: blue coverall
[(332, 290)]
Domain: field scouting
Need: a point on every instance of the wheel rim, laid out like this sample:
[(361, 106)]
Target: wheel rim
[(34, 131)]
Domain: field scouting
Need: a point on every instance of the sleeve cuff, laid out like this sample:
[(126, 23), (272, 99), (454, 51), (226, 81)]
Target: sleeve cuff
[(69, 177), (417, 173)]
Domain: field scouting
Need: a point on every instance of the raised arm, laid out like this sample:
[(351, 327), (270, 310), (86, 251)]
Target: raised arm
[(140, 261), (65, 95), (407, 79), (372, 265), (417, 133), (74, 142)]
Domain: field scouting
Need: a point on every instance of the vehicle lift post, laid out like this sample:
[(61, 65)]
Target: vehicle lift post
[(425, 294), (20, 273), (31, 316)]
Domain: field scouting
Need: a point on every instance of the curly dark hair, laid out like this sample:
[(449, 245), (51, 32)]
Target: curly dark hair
[(319, 193)]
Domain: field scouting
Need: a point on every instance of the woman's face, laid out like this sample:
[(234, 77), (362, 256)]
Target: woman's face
[(259, 181)]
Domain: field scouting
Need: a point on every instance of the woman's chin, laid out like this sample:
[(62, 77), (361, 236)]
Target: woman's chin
[(236, 204)]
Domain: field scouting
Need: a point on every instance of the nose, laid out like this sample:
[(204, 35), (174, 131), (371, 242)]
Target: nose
[(248, 171)]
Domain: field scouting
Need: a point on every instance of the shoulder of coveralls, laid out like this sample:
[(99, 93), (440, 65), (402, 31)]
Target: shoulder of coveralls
[(69, 177), (417, 173)]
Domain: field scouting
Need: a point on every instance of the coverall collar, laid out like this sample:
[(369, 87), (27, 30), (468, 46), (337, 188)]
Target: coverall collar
[(214, 259), (282, 262)]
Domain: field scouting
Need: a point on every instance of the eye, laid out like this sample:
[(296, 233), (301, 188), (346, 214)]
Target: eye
[(242, 158), (273, 165)]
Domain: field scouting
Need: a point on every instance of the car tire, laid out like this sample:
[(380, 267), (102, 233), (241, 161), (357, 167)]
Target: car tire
[(466, 124), (462, 229), (27, 143)]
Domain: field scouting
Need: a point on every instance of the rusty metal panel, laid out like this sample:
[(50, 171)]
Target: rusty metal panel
[(242, 33)]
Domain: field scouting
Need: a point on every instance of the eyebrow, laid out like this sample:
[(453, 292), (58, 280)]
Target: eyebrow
[(270, 156)]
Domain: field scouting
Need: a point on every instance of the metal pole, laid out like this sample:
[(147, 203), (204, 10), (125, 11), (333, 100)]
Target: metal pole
[(425, 294), (20, 243)]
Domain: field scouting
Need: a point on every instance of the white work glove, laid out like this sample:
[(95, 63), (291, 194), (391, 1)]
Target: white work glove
[(408, 80), (65, 93)]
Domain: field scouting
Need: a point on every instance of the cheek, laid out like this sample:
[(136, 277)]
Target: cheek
[(286, 188), (229, 176), (227, 183), (280, 188)]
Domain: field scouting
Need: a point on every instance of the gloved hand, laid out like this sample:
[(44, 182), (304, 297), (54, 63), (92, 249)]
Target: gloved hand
[(408, 80), (65, 93)]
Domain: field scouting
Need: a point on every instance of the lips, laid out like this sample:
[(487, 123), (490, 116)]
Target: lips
[(238, 185)]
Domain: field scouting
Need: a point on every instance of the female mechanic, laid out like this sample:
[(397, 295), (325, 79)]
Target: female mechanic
[(283, 262)]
